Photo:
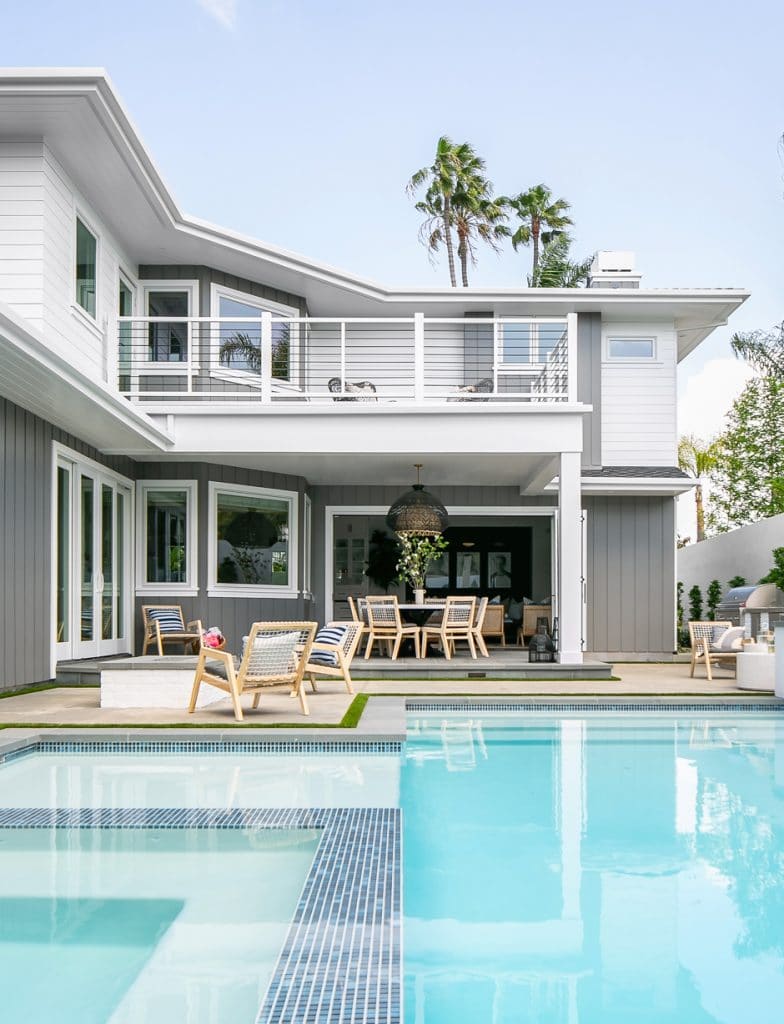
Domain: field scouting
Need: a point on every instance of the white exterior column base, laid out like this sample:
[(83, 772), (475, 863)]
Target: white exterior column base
[(570, 582)]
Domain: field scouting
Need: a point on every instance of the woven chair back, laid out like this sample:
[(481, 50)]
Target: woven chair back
[(275, 650), (459, 612), (383, 612)]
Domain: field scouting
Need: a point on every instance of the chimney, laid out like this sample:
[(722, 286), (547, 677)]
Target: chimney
[(613, 268)]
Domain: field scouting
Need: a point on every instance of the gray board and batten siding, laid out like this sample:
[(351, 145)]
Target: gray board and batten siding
[(207, 276), (26, 454)]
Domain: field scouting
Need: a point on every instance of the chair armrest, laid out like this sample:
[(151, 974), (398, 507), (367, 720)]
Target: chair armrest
[(194, 627), (212, 652)]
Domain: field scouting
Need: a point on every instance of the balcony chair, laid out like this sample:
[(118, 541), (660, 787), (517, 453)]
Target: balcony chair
[(275, 653), (385, 624), (333, 651), (482, 387), (714, 643), (493, 626), (457, 624), (345, 391), (165, 623)]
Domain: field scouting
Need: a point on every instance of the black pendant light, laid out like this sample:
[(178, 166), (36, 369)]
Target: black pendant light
[(417, 512)]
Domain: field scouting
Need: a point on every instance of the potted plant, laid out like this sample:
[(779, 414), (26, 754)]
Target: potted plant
[(416, 554)]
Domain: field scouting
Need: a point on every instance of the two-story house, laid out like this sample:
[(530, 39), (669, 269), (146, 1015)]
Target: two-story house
[(191, 415)]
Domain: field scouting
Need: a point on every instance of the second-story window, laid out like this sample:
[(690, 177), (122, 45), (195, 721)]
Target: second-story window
[(168, 335), (631, 348), (86, 261)]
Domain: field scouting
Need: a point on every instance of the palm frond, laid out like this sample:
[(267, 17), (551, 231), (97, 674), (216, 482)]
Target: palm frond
[(762, 350)]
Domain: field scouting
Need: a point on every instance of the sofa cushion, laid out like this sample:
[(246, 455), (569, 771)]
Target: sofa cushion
[(730, 639)]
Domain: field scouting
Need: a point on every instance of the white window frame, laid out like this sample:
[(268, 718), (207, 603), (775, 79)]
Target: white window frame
[(92, 320), (216, 589), (189, 587), (307, 557), (535, 323), (191, 286), (629, 336), (278, 310)]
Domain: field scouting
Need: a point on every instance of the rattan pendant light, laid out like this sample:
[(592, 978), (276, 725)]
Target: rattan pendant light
[(417, 512)]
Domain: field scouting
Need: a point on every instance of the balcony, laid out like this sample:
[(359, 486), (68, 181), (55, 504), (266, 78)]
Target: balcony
[(414, 360)]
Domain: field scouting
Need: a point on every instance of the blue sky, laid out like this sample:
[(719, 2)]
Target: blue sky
[(299, 122)]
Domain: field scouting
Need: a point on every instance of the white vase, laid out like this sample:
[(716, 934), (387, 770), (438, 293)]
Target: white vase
[(419, 595)]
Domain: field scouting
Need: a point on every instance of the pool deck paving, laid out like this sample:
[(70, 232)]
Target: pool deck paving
[(74, 706)]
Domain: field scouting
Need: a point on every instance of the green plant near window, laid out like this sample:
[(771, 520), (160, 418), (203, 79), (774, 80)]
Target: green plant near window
[(695, 604), (416, 555), (713, 598), (176, 561), (383, 553)]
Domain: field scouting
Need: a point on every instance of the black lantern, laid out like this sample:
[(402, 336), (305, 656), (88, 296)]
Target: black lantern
[(417, 512)]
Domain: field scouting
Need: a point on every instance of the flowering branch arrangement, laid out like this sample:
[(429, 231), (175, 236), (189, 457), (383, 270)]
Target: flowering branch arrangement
[(416, 554)]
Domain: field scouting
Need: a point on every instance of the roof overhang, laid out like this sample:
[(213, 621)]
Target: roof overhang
[(78, 114), (42, 382)]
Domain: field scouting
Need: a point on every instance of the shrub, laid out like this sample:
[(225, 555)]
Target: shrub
[(695, 603), (713, 598)]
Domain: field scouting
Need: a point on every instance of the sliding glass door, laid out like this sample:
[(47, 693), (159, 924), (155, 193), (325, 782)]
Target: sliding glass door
[(91, 561)]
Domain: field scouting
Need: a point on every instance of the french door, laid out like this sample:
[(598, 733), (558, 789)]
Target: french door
[(92, 563)]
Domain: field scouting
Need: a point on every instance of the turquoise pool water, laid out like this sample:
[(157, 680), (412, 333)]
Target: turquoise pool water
[(146, 926), (594, 870)]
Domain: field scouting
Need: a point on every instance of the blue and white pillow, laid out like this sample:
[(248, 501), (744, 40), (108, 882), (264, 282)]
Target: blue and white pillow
[(328, 635), (169, 619)]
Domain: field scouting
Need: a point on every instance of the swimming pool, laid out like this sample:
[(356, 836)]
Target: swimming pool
[(590, 868), (564, 868)]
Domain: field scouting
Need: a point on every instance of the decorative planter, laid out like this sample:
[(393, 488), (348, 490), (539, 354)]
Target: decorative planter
[(419, 595)]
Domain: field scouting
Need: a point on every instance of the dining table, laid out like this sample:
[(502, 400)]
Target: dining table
[(420, 613)]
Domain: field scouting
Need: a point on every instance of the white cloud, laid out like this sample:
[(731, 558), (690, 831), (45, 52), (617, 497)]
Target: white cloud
[(223, 11), (704, 400)]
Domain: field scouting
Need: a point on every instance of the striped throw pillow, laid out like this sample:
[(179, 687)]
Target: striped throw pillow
[(328, 635), (169, 619)]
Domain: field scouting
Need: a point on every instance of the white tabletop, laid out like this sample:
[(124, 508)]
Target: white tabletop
[(432, 606)]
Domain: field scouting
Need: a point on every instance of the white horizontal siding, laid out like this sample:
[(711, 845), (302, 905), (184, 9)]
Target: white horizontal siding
[(638, 402), (22, 228)]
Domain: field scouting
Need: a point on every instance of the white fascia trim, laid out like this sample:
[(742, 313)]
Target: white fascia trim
[(253, 408), (31, 342), (652, 486), (94, 85)]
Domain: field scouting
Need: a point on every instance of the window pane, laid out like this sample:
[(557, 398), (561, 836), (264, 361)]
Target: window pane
[(63, 554), (107, 562), (549, 336), (253, 540), (517, 343), (631, 348), (120, 549), (87, 628), (168, 342), (167, 536), (86, 248), (241, 343)]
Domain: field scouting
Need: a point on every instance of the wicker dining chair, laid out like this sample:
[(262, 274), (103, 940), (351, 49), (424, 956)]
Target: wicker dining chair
[(385, 624), (456, 624)]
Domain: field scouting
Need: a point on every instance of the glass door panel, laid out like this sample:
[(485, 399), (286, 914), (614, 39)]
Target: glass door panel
[(107, 580), (63, 565), (87, 558)]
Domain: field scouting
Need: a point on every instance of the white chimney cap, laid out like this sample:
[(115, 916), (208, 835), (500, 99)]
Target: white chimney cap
[(613, 261)]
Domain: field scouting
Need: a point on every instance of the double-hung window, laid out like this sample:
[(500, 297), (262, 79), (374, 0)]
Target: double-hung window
[(252, 541), (86, 268), (167, 536)]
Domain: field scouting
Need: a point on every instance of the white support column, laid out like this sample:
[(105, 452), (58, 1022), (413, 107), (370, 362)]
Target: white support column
[(266, 357), (419, 358), (570, 587), (571, 357)]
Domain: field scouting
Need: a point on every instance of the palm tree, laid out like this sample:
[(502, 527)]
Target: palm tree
[(542, 218), (556, 270), (697, 458), (762, 350), (478, 217), (456, 168)]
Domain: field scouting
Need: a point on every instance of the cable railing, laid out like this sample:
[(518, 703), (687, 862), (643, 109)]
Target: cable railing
[(405, 360)]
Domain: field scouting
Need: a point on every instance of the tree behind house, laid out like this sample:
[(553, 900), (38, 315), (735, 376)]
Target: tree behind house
[(697, 458), (776, 574)]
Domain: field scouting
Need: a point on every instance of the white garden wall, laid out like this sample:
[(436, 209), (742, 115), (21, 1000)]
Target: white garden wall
[(744, 552)]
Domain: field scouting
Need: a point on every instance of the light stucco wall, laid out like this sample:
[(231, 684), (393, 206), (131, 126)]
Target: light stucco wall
[(744, 552)]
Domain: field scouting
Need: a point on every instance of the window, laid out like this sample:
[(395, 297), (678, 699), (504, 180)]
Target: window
[(252, 541), (529, 341), (167, 534), (168, 339), (240, 343), (307, 583), (631, 348), (86, 260)]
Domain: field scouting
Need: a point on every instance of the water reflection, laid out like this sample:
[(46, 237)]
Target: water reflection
[(584, 870)]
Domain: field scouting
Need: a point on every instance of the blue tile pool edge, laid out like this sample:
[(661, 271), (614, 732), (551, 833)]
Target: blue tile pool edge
[(341, 961), (599, 706)]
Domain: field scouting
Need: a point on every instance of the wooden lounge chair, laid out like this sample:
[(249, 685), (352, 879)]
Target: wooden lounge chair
[(275, 653), (457, 623), (165, 623), (704, 651), (384, 623), (333, 651)]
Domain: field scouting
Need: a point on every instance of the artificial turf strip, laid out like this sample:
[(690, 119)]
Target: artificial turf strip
[(350, 720)]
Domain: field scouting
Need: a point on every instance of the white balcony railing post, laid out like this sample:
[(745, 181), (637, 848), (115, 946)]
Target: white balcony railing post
[(266, 358), (419, 358), (189, 345), (342, 356), (571, 357)]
